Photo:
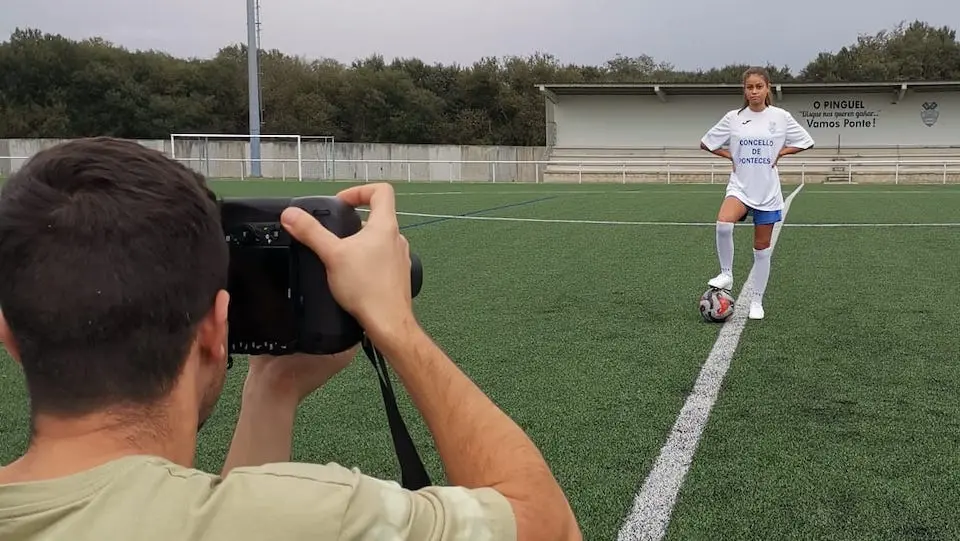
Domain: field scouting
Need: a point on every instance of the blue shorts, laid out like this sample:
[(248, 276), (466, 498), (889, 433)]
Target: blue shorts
[(763, 217), (760, 217)]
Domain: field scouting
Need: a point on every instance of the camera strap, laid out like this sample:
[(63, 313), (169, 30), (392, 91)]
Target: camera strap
[(412, 472)]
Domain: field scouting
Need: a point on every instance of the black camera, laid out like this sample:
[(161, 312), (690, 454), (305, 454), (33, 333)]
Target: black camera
[(280, 302)]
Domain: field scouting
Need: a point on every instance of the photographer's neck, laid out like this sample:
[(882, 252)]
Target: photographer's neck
[(60, 447)]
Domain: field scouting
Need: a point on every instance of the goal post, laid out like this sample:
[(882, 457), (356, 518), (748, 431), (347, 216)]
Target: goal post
[(228, 156), (319, 160)]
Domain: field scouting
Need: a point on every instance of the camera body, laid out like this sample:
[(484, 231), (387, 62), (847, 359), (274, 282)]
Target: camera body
[(280, 302)]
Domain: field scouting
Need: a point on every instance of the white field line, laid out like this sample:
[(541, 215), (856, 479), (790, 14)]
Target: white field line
[(650, 223), (653, 191)]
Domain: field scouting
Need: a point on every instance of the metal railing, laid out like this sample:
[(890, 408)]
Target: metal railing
[(931, 170)]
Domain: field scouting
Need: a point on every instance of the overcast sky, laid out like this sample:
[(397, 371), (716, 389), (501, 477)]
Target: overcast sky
[(690, 34)]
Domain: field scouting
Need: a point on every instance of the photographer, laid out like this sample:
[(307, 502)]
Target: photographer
[(112, 269)]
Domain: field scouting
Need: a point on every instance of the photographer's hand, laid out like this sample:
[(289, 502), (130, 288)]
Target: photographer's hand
[(274, 387), (368, 272), (294, 377), (480, 446)]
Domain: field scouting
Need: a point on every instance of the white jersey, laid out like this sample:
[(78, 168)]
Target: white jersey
[(755, 140)]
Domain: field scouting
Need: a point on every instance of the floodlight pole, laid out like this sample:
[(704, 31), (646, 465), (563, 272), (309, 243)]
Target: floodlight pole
[(253, 87)]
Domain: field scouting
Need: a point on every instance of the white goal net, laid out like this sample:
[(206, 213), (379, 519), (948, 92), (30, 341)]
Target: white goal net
[(281, 157)]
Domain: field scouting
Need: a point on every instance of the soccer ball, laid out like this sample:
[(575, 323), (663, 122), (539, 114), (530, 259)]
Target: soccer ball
[(716, 305)]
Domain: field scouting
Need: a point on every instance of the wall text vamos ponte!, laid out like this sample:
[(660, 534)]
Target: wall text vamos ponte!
[(840, 113)]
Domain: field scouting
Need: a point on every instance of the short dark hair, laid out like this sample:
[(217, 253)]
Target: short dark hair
[(110, 254)]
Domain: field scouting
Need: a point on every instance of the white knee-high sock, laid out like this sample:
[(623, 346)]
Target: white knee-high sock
[(761, 271), (725, 247)]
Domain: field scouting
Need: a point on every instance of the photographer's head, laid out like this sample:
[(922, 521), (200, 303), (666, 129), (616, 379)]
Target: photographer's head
[(112, 274)]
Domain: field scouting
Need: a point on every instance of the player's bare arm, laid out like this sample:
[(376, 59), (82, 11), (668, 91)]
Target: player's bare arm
[(722, 152)]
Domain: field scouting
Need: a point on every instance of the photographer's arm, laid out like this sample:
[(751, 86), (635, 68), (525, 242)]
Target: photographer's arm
[(274, 387), (369, 275), (264, 431), (479, 444)]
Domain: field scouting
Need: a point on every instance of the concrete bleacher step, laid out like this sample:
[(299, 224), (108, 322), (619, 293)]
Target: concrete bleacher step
[(826, 153), (686, 165)]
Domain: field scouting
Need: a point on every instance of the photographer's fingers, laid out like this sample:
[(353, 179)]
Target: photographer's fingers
[(306, 229), (379, 197)]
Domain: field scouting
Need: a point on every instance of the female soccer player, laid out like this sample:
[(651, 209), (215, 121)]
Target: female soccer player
[(757, 135)]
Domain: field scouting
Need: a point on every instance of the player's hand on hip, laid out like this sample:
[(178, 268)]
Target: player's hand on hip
[(368, 272)]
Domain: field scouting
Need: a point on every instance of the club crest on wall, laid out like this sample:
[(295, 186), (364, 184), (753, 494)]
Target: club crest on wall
[(929, 113)]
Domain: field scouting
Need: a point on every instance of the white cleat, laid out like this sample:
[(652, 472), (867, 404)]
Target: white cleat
[(721, 281), (756, 310)]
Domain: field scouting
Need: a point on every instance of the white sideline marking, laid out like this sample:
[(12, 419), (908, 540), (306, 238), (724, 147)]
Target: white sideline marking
[(672, 224), (653, 505), (934, 224), (720, 189)]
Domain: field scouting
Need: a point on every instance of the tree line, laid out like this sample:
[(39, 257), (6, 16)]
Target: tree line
[(51, 86)]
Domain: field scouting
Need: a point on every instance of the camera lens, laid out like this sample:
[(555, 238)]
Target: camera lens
[(416, 274)]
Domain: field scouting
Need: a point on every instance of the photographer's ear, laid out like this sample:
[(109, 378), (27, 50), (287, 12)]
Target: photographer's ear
[(6, 338), (212, 331)]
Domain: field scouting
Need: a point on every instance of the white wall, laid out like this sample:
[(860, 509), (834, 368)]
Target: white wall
[(229, 158), (868, 119)]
